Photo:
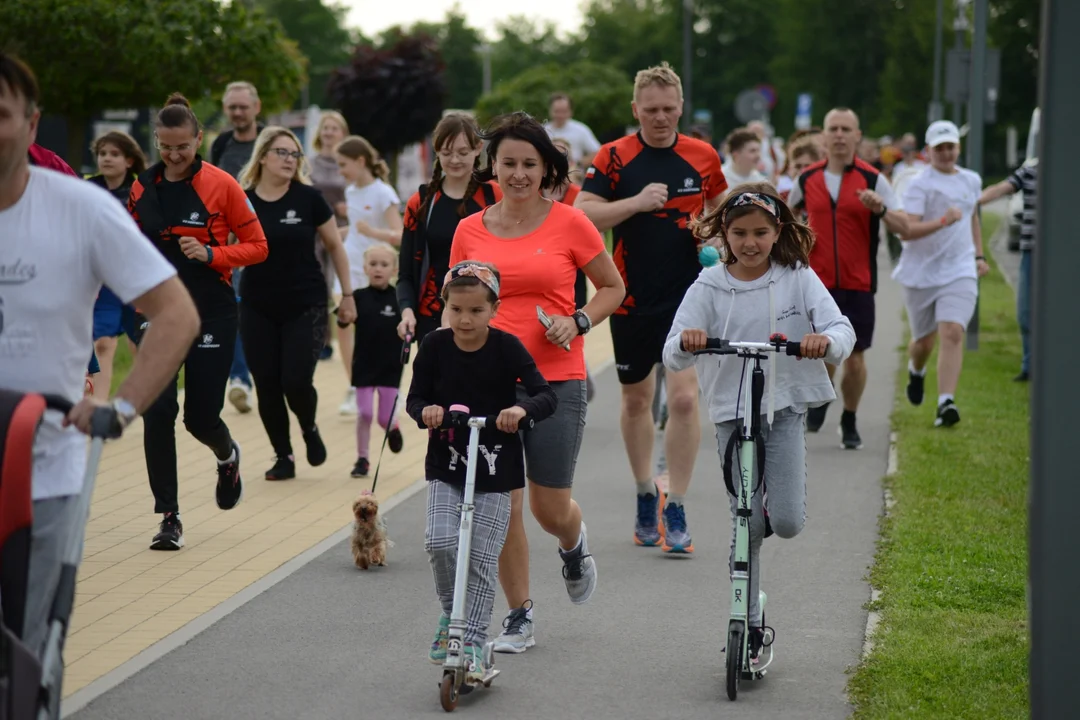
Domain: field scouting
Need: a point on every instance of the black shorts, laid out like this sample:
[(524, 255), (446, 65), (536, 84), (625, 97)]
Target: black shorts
[(638, 341), (858, 307)]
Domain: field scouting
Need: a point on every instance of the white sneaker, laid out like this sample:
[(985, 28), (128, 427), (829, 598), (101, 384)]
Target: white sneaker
[(348, 406), (239, 396), (517, 634)]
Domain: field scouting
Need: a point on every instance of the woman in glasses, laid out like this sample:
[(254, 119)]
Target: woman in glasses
[(187, 208), (283, 303)]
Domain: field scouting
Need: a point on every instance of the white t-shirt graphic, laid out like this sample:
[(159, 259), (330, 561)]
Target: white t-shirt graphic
[(948, 253), (369, 204), (59, 244)]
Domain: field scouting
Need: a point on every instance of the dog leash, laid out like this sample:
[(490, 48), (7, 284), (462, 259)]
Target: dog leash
[(393, 411)]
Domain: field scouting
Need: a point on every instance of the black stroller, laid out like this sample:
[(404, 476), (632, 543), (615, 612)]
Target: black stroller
[(29, 686)]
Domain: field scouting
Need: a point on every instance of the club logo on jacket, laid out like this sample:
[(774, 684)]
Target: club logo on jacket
[(193, 219), (208, 342), (290, 218)]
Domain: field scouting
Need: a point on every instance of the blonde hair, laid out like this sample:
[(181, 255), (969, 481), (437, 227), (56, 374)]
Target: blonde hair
[(381, 247), (328, 115), (241, 85), (355, 147), (661, 75), (251, 173)]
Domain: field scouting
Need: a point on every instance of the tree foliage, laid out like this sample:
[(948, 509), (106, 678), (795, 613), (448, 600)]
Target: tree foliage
[(459, 46), (102, 54), (319, 31), (393, 96), (601, 95)]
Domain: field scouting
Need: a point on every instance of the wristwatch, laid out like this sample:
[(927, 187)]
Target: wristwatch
[(583, 321), (125, 411)]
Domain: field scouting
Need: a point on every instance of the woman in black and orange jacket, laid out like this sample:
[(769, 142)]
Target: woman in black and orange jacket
[(431, 219), (187, 208)]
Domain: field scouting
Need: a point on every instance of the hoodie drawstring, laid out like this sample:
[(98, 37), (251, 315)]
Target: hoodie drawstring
[(772, 357), (731, 308)]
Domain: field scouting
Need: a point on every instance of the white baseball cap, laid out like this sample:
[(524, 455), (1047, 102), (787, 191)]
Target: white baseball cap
[(942, 131)]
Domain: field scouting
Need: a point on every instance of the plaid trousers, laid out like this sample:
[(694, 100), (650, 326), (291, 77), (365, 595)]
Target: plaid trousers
[(491, 518)]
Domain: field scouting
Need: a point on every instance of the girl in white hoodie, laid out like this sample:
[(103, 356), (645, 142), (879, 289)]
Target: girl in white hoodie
[(764, 286)]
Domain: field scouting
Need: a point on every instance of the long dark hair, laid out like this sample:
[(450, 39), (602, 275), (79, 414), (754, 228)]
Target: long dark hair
[(127, 147), (522, 126), (791, 248), (452, 125)]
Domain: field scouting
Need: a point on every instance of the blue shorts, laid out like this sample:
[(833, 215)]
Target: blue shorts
[(93, 368), (112, 317)]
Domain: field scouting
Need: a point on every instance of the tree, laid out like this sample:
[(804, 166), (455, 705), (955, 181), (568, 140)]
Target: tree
[(393, 96), (319, 31), (458, 46), (601, 95), (157, 47), (523, 44)]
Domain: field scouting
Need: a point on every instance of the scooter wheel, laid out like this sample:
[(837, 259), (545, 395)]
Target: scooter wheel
[(734, 661), (448, 694)]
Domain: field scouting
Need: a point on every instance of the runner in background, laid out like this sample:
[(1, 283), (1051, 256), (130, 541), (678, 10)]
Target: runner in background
[(647, 187), (231, 151), (562, 125), (326, 178), (432, 215), (374, 217), (120, 161), (745, 155)]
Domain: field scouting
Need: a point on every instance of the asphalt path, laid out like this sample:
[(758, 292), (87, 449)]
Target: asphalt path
[(330, 641)]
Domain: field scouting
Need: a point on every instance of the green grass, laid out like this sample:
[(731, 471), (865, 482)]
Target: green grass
[(952, 559)]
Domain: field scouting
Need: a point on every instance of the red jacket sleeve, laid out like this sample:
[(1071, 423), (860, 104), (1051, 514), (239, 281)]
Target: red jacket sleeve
[(43, 157), (244, 224)]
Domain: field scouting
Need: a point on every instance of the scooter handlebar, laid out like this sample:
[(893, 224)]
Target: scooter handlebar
[(458, 416), (719, 346)]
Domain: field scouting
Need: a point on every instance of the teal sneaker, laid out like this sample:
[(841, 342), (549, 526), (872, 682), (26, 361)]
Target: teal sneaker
[(477, 663), (437, 654)]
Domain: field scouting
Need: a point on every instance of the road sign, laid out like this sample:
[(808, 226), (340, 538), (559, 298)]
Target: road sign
[(769, 93), (751, 105), (803, 111), (958, 80)]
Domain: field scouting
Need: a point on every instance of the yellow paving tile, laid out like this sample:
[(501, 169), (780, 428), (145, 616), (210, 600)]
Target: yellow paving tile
[(129, 597)]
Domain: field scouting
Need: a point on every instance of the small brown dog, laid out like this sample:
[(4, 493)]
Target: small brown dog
[(369, 541)]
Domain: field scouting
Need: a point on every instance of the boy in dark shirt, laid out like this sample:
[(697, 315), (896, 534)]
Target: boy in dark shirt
[(480, 367)]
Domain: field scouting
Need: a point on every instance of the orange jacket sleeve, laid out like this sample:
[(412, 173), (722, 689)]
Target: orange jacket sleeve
[(244, 224)]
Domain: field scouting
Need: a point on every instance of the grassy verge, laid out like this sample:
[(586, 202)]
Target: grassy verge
[(952, 559)]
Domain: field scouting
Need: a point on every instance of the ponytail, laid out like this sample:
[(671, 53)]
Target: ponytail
[(355, 147)]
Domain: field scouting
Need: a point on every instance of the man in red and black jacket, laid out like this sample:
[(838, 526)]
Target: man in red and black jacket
[(845, 200)]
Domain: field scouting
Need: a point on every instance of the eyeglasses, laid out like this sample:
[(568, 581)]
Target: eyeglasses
[(173, 148), (283, 153)]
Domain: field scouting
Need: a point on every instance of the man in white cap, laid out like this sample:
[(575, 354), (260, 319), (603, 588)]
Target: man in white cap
[(939, 266)]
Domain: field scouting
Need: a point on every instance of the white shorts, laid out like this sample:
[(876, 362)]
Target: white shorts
[(928, 307)]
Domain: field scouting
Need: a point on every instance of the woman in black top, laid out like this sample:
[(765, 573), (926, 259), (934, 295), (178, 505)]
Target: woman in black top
[(431, 218), (283, 300)]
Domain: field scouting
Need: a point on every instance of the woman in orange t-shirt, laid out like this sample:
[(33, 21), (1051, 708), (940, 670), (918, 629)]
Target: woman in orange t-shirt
[(538, 245)]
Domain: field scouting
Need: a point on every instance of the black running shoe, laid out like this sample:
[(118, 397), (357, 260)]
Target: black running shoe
[(849, 436), (284, 469), (360, 469), (230, 489), (316, 449), (916, 385), (815, 418), (170, 533), (947, 414), (395, 440)]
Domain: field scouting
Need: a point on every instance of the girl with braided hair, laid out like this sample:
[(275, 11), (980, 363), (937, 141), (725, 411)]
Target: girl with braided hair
[(431, 219)]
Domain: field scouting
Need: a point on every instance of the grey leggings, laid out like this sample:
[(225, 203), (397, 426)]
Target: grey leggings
[(491, 518), (785, 486)]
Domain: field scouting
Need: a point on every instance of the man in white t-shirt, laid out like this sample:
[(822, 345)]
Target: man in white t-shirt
[(939, 266), (61, 239), (583, 143), (744, 155)]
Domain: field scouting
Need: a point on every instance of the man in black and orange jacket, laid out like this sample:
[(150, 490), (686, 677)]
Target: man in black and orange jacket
[(845, 199), (189, 221)]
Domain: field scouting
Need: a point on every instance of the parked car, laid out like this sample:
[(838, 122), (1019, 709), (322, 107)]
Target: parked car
[(1016, 201)]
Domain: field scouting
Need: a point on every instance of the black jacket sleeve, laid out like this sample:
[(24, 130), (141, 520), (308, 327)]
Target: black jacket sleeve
[(422, 387), (542, 399), (408, 284)]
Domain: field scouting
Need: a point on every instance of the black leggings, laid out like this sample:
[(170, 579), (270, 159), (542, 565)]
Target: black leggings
[(282, 353), (206, 373)]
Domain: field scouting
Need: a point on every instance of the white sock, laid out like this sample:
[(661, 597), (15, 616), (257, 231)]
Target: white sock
[(647, 488), (913, 371), (576, 549), (528, 613), (943, 398), (231, 458)]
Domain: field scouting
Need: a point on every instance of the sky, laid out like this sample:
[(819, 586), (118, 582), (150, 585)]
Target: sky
[(372, 16)]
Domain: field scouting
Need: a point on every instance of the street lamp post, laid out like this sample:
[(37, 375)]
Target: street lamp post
[(935, 102), (485, 52), (688, 63)]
